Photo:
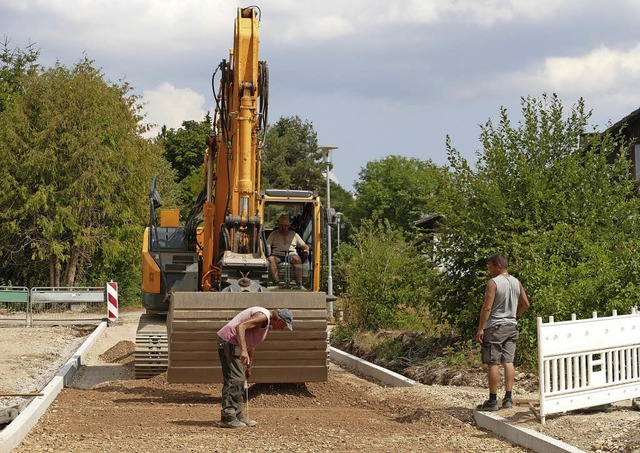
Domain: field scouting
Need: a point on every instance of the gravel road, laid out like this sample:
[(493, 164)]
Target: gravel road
[(106, 409)]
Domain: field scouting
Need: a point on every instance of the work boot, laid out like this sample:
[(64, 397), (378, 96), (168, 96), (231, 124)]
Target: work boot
[(250, 423), (489, 405), (235, 423), (507, 403)]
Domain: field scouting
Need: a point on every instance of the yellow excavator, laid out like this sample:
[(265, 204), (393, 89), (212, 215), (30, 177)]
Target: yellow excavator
[(199, 275)]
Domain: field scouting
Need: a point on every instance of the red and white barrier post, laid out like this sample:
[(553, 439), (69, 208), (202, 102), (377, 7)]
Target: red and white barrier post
[(112, 301)]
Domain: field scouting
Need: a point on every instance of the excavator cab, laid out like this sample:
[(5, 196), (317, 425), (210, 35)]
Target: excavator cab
[(303, 210)]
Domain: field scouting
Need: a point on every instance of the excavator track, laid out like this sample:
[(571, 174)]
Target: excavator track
[(152, 346)]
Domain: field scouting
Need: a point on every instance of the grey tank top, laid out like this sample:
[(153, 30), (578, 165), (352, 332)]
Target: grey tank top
[(505, 304)]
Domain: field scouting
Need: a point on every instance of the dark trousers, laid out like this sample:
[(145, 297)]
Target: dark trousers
[(234, 377)]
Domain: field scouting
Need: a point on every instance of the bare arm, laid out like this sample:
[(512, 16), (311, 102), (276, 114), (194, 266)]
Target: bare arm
[(248, 370), (485, 311), (257, 320), (523, 302), (300, 242)]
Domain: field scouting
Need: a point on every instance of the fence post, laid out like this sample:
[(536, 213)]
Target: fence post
[(112, 301)]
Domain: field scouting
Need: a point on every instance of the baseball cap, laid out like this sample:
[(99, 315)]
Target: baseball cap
[(286, 315)]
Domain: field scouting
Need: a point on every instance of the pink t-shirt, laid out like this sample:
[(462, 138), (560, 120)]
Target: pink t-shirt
[(253, 337)]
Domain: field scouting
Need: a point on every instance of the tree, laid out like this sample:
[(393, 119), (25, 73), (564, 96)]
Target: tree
[(399, 189), (15, 65), (184, 147), (75, 177), (291, 159), (565, 217)]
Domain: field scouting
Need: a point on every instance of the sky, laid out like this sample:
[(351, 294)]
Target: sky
[(374, 77)]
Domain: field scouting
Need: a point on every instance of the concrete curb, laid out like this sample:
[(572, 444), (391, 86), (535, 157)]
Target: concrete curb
[(369, 369), (14, 432), (524, 437)]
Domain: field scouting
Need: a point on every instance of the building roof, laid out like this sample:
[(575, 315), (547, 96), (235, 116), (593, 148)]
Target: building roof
[(629, 119), (428, 221)]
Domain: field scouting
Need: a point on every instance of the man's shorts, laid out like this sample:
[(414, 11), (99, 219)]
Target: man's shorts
[(499, 343), (285, 258)]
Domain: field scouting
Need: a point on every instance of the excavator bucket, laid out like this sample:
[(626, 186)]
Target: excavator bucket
[(300, 355)]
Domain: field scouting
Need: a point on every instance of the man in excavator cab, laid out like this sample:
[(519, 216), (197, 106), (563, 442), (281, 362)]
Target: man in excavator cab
[(282, 243)]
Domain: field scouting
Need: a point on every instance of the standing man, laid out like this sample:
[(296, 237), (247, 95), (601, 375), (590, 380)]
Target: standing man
[(504, 300), (236, 343), (283, 242)]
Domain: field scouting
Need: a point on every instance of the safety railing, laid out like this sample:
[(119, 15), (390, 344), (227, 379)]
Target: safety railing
[(58, 305), (67, 305), (14, 305), (588, 362)]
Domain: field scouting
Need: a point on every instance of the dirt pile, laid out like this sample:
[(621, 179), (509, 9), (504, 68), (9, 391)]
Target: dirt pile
[(122, 353)]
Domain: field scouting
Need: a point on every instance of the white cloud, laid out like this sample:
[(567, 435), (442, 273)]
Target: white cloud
[(139, 26), (604, 76), (166, 105), (602, 69), (490, 12), (320, 20), (183, 25)]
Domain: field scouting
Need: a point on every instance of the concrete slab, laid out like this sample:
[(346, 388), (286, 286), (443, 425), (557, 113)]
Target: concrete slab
[(14, 432)]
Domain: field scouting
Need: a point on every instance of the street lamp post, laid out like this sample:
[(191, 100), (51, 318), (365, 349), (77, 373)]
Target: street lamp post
[(326, 150)]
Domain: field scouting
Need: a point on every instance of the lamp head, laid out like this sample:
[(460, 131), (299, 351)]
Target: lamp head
[(326, 150)]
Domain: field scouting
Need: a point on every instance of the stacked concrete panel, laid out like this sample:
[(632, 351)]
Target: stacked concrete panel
[(285, 356)]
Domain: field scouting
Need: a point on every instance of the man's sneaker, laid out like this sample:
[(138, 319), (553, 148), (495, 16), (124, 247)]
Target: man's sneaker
[(301, 288), (250, 423), (232, 424), (507, 403), (488, 405)]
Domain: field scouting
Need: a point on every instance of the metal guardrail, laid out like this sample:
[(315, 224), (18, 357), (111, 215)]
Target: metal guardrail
[(60, 305), (14, 305)]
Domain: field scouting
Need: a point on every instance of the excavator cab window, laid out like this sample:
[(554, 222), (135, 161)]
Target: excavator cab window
[(299, 214), (301, 217)]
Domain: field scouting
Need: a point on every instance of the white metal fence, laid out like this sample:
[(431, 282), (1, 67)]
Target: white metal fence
[(588, 362)]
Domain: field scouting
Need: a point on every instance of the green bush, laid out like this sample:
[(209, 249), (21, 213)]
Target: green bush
[(385, 281)]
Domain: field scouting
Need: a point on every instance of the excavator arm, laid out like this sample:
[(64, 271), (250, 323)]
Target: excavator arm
[(231, 214)]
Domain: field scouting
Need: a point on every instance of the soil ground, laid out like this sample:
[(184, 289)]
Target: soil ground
[(106, 409)]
